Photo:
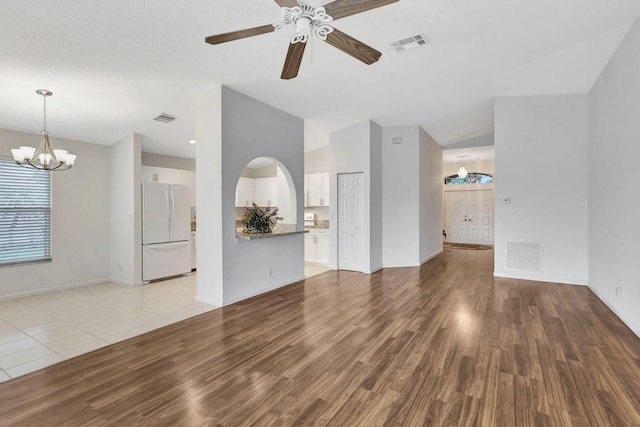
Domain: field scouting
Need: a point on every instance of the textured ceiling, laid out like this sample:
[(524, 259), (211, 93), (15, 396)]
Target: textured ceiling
[(115, 65)]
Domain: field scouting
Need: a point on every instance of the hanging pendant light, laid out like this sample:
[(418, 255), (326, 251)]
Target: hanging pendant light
[(462, 171), (44, 158)]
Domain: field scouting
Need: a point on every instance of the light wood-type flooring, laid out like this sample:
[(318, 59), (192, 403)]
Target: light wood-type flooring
[(441, 345)]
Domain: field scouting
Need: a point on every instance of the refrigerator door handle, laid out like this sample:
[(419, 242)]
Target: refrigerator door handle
[(168, 211), (173, 213)]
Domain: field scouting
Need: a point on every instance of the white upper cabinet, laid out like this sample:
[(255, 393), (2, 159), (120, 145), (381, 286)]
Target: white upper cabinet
[(318, 189), (162, 175), (306, 191), (325, 190), (170, 176), (244, 192), (266, 191)]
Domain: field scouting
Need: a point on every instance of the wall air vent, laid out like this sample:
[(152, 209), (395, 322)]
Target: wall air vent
[(410, 43), (165, 118)]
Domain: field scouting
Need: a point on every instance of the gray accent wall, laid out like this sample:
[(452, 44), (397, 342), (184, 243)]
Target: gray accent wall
[(232, 130)]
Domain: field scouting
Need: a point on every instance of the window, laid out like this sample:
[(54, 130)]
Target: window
[(472, 178), (25, 214)]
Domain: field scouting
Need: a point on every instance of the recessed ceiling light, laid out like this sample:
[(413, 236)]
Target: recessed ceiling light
[(192, 141)]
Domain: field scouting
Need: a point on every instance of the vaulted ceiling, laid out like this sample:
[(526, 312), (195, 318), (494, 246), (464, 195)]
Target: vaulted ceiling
[(113, 66)]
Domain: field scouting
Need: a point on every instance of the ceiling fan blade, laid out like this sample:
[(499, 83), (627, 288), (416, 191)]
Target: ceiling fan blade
[(293, 61), (236, 35), (287, 3), (353, 47), (341, 8)]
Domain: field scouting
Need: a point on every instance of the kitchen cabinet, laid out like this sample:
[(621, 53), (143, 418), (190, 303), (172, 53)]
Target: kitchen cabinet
[(262, 191), (188, 178), (309, 248), (318, 189), (265, 191), (171, 176), (316, 246), (325, 189), (322, 247), (244, 192), (163, 175)]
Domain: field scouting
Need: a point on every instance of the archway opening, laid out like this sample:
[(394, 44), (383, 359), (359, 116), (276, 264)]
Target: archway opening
[(266, 182)]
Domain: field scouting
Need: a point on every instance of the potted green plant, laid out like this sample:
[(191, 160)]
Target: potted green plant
[(258, 220)]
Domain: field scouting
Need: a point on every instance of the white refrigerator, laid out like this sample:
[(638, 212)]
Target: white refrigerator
[(166, 230)]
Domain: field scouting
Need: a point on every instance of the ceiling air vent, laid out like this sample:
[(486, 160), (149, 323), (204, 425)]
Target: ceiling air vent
[(165, 118), (410, 43)]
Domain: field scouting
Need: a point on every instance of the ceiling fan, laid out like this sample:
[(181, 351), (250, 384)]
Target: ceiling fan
[(312, 21)]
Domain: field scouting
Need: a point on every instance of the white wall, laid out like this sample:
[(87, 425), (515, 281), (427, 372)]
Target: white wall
[(317, 161), (171, 162), (401, 196), (80, 221), (126, 221), (232, 130), (541, 161), (614, 205), (431, 200), (358, 149), (209, 288)]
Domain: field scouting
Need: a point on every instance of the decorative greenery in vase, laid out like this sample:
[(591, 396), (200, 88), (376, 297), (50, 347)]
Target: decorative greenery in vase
[(258, 220)]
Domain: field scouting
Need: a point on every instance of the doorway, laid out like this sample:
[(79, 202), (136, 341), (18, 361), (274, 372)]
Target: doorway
[(350, 221), (469, 216)]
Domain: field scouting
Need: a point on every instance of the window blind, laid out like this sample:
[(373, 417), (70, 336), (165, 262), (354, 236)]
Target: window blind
[(25, 214)]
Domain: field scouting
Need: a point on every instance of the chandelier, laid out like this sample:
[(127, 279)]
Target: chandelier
[(44, 158)]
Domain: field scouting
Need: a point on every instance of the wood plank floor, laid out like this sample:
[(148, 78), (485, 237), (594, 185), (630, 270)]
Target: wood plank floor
[(441, 345)]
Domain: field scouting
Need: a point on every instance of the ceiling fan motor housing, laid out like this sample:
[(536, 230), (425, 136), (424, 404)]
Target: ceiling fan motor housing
[(306, 19)]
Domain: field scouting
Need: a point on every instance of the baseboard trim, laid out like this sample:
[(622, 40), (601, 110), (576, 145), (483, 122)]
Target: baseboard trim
[(210, 301), (430, 257), (126, 283), (53, 289), (546, 279), (261, 291), (634, 328), (374, 269)]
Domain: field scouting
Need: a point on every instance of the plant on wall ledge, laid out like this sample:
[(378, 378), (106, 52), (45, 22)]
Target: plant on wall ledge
[(258, 220)]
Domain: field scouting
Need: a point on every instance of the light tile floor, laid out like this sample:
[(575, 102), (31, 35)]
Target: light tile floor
[(313, 270), (41, 330), (38, 331)]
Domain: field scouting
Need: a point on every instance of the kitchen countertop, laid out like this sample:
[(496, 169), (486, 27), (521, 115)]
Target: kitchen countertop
[(251, 236)]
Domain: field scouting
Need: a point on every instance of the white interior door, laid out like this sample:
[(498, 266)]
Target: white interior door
[(456, 216), (480, 212), (350, 224), (469, 216)]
